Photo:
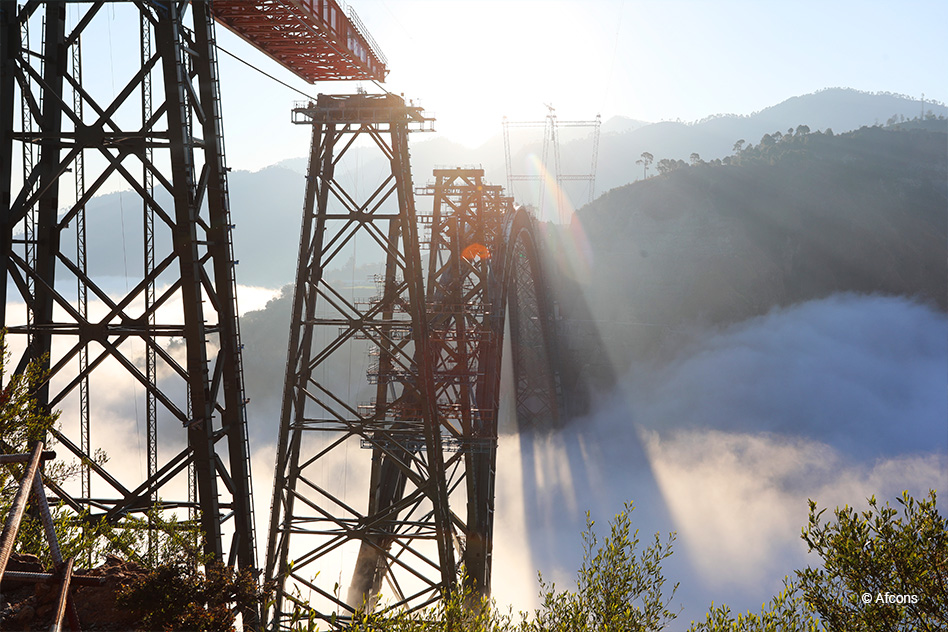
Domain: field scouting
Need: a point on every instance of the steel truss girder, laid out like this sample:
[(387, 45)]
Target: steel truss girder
[(178, 144)]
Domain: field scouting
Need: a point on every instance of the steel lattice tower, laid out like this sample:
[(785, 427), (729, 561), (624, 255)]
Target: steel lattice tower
[(318, 426), (551, 126), (423, 436), (173, 331)]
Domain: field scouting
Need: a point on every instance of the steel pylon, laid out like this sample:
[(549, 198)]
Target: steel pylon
[(171, 328), (394, 441), (422, 433)]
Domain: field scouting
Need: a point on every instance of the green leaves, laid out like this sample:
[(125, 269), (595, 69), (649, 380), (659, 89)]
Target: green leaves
[(179, 595), (786, 612), (619, 587), (890, 554), (881, 571), (22, 420)]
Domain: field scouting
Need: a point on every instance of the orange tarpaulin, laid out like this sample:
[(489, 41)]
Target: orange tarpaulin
[(475, 251)]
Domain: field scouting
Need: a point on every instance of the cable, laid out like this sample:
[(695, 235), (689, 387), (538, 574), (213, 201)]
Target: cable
[(283, 83), (124, 246), (264, 73)]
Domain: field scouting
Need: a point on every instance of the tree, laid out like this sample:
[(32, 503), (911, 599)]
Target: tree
[(645, 160), (667, 165), (695, 159), (618, 587), (179, 595), (880, 570), (621, 588), (739, 146), (460, 610), (22, 420), (803, 130), (786, 612)]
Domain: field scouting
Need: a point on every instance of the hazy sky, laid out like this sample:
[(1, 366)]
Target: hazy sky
[(472, 62)]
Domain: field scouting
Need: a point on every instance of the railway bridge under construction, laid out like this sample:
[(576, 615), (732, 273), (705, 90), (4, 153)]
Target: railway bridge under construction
[(395, 492)]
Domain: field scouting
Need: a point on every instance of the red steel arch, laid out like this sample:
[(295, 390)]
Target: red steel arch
[(484, 266)]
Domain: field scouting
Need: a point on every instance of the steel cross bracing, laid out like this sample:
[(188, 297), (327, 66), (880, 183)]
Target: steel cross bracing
[(318, 521), (428, 418), (171, 336), (464, 230)]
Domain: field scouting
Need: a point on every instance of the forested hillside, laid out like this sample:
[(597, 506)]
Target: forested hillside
[(794, 217)]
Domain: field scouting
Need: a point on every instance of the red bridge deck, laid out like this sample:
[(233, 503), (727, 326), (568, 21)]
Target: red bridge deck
[(314, 39)]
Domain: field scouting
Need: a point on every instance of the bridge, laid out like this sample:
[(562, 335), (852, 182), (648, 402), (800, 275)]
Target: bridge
[(426, 443), (418, 438)]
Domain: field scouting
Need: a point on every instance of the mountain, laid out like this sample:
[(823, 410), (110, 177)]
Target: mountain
[(838, 109), (266, 205), (621, 125), (266, 209), (787, 221)]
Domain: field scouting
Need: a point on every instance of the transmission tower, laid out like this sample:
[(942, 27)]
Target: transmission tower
[(551, 126), (172, 331)]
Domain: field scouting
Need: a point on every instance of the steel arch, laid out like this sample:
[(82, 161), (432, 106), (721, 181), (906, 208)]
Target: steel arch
[(484, 263)]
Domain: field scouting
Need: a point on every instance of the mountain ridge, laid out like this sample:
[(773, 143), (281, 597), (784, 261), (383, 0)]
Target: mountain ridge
[(266, 204), (803, 218)]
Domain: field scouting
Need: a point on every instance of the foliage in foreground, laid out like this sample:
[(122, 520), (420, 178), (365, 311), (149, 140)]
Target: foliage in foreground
[(618, 587), (899, 561), (786, 612), (179, 595), (880, 571)]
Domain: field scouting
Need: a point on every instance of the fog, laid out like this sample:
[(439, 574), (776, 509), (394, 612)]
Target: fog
[(832, 400), (721, 442)]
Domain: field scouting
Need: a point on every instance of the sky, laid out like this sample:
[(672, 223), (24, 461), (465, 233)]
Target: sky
[(472, 63)]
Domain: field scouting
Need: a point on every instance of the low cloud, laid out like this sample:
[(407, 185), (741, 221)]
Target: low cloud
[(833, 400)]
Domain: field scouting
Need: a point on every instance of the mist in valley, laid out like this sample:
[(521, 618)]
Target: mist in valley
[(724, 441)]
